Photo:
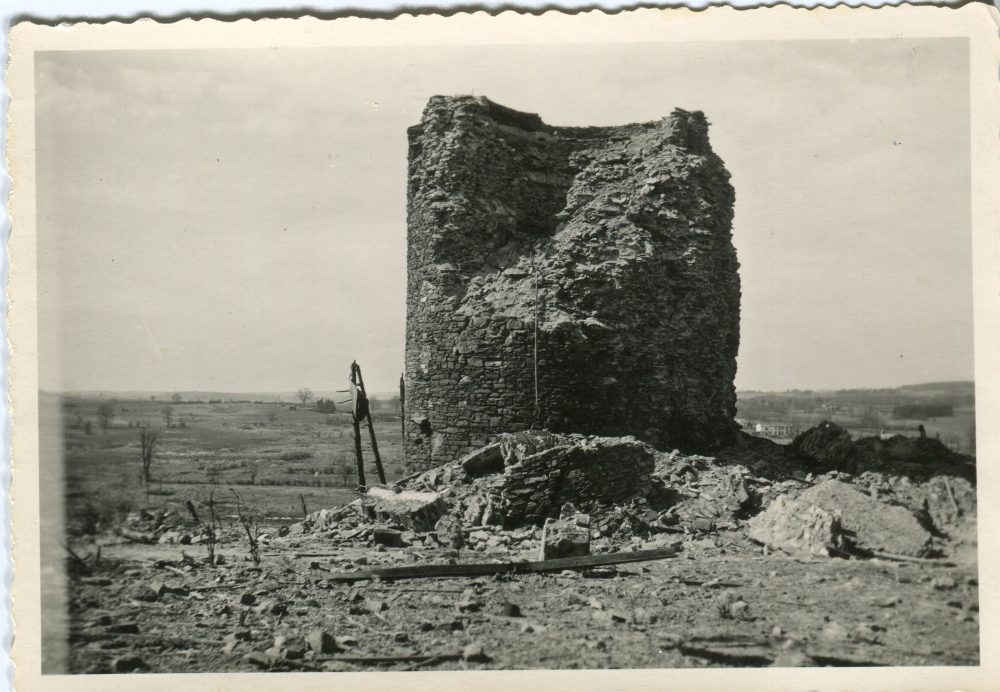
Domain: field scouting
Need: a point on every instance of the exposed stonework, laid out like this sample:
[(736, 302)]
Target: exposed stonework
[(543, 472), (628, 231)]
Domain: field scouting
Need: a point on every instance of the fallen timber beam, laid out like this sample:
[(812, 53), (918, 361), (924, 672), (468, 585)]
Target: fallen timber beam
[(486, 568)]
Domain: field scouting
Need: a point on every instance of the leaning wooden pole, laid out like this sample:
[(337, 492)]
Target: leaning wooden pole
[(371, 425), (357, 429)]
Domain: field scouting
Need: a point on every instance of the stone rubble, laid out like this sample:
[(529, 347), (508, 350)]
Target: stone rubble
[(536, 494)]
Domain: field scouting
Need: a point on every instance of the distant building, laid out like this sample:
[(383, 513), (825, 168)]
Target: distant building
[(775, 429)]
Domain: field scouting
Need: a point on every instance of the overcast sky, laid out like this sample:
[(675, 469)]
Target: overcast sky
[(236, 220)]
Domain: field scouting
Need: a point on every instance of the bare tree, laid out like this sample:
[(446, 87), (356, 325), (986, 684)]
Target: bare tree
[(148, 439), (305, 395), (272, 415), (106, 414), (250, 526), (168, 415)]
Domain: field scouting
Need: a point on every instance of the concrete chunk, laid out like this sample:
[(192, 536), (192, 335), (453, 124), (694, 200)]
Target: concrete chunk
[(411, 509), (871, 525), (797, 527), (568, 536)]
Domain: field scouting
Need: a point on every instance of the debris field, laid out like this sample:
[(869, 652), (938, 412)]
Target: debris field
[(542, 550)]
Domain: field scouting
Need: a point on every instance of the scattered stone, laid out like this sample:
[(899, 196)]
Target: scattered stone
[(834, 632), (796, 526), (321, 641), (248, 599), (375, 605), (511, 610), (468, 602), (400, 637), (865, 633), (262, 659), (740, 610), (532, 627), (449, 532), (291, 647), (389, 538), (943, 584), (474, 653), (129, 664), (611, 615)]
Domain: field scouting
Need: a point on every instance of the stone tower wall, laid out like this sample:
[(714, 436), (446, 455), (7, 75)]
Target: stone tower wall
[(614, 241)]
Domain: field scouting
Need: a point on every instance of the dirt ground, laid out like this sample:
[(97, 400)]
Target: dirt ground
[(674, 612), (722, 600)]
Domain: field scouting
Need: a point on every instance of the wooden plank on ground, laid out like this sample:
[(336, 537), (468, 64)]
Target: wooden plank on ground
[(486, 568)]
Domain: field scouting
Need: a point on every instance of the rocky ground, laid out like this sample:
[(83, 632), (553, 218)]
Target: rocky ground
[(738, 590)]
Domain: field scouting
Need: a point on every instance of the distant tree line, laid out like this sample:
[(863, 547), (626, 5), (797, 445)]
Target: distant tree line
[(923, 411)]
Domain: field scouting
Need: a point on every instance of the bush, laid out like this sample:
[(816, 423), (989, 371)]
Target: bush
[(295, 456)]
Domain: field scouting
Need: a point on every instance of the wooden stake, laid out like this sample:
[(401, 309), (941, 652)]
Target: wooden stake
[(485, 569), (371, 425), (357, 432)]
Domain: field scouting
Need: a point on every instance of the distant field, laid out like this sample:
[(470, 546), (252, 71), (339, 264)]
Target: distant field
[(269, 453), (870, 411)]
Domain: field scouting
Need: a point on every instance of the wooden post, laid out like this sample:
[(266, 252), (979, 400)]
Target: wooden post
[(402, 406), (357, 430), (536, 415), (371, 425)]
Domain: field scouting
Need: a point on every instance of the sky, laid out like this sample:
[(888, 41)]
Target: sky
[(235, 220)]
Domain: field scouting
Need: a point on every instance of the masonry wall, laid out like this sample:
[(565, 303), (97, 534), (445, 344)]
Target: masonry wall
[(614, 241)]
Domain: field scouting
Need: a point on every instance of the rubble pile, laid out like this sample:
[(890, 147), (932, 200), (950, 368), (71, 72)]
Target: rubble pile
[(566, 495), (828, 446), (834, 517)]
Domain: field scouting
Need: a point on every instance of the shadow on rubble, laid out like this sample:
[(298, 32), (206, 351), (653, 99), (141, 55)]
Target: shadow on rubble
[(829, 448)]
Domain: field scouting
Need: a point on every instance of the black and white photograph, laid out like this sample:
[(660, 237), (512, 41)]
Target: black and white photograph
[(452, 344)]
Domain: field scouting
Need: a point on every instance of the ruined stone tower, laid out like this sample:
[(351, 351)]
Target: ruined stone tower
[(607, 249)]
